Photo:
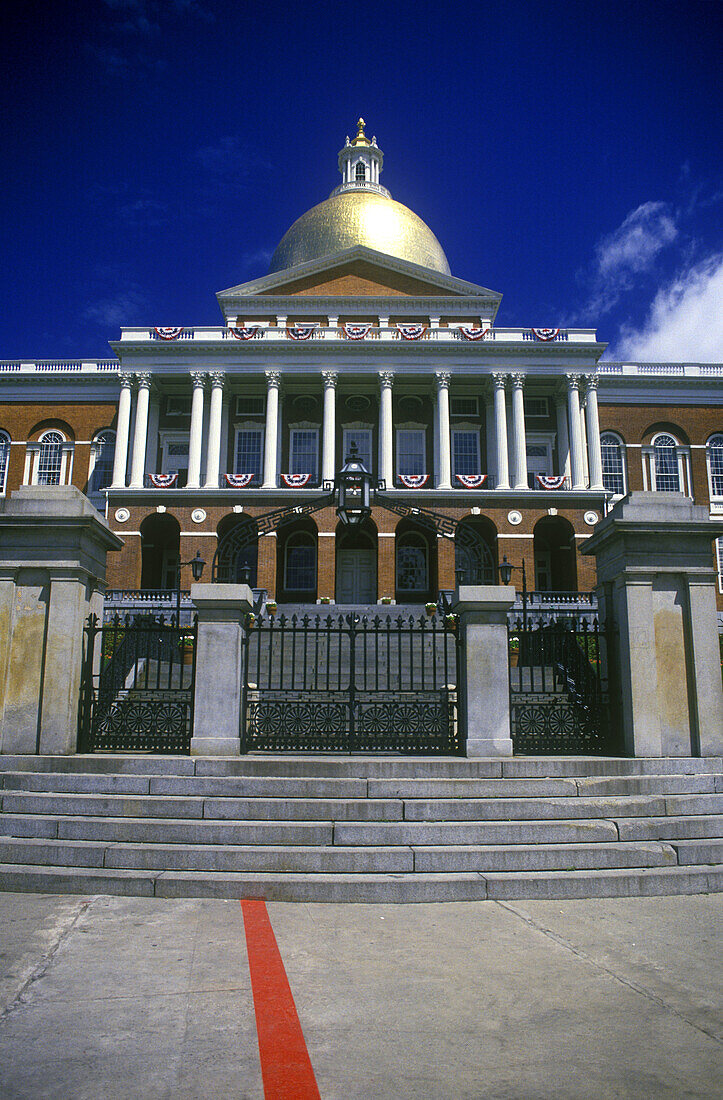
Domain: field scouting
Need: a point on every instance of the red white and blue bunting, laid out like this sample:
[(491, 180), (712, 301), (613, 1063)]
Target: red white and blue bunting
[(239, 481), (413, 481), (163, 481), (547, 481), (471, 481), (301, 332), (356, 332), (253, 332), (168, 333), (471, 333), (411, 332), (545, 333), (296, 481)]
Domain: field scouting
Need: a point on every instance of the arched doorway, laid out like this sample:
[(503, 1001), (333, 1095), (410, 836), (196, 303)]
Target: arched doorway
[(475, 552), (356, 565), (296, 562), (160, 552), (555, 555), (237, 551), (416, 563)]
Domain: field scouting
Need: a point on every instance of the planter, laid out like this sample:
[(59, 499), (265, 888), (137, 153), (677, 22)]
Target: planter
[(430, 608)]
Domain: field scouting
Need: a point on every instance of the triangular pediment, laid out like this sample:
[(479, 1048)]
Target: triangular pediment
[(357, 272)]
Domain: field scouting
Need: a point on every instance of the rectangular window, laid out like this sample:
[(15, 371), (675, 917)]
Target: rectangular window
[(249, 450), (303, 452), (539, 461), (363, 439), (250, 406), (175, 460), (178, 405), (465, 452), (536, 408), (411, 451), (715, 458), (464, 406), (612, 465), (4, 458)]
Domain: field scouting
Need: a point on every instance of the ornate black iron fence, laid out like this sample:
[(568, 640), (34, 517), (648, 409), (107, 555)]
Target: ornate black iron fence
[(350, 682), (137, 685), (559, 688)]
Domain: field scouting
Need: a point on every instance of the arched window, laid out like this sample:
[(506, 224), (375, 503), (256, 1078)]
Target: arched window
[(4, 459), (50, 459), (412, 563), (300, 562), (473, 559), (613, 463), (715, 465), (361, 172), (101, 472), (665, 459)]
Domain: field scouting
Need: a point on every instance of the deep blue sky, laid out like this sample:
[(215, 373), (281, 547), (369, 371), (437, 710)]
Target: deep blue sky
[(565, 154)]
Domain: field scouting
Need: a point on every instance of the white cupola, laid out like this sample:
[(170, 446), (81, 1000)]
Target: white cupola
[(360, 162)]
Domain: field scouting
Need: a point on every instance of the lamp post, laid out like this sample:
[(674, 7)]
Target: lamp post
[(505, 570), (354, 494), (197, 566)]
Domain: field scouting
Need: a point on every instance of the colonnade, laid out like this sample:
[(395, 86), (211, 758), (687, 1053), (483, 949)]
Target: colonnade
[(576, 410)]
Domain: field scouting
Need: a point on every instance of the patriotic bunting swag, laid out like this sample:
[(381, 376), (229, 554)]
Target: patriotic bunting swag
[(163, 481), (413, 481), (471, 481), (296, 481), (356, 332), (545, 333), (239, 481), (471, 333), (411, 332), (243, 333), (550, 482), (300, 332), (168, 333)]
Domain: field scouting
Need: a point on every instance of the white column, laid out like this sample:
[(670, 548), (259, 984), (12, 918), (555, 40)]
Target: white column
[(503, 477), (445, 452), (386, 430), (213, 453), (140, 437), (328, 443), (490, 444), (519, 441), (583, 439), (593, 435), (122, 435), (563, 437), (273, 381), (198, 379), (573, 413)]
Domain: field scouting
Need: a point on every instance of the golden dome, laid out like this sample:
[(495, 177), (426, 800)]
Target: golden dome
[(359, 217)]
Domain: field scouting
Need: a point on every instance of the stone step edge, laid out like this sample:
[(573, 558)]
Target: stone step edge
[(409, 887)]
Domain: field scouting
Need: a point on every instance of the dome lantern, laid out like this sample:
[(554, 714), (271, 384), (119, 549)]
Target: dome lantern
[(360, 162)]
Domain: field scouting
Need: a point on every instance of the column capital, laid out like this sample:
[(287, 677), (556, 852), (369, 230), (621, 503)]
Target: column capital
[(218, 378), (386, 378), (518, 379), (330, 378), (573, 381), (273, 379), (198, 377), (443, 379), (499, 380), (591, 381), (126, 380), (144, 380)]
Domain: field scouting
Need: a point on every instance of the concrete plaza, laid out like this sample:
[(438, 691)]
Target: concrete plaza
[(121, 998)]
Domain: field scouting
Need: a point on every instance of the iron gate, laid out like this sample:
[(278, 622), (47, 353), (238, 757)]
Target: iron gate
[(559, 688), (137, 685), (350, 682)]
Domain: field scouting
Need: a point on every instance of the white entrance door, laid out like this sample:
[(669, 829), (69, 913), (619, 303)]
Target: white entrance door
[(356, 580)]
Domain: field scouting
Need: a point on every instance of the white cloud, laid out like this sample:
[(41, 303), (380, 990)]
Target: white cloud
[(685, 320), (123, 309), (627, 252)]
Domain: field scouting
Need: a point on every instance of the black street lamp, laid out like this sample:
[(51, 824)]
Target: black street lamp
[(505, 570), (355, 484), (197, 566)]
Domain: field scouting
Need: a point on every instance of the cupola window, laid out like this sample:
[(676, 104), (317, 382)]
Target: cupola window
[(360, 172)]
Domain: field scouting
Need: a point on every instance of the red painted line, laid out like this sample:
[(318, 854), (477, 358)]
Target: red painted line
[(285, 1064)]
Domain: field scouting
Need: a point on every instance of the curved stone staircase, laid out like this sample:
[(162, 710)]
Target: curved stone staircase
[(335, 828)]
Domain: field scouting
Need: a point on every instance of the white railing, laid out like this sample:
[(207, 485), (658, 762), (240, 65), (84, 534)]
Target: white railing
[(681, 370), (384, 333), (59, 366)]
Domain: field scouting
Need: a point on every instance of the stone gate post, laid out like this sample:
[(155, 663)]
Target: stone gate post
[(484, 688), (219, 688), (53, 547), (656, 586)]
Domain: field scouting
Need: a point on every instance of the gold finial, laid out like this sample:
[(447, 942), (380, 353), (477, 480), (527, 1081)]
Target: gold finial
[(361, 138), (360, 127)]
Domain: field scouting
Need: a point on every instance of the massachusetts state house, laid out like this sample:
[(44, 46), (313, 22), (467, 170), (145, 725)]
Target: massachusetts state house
[(225, 441)]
